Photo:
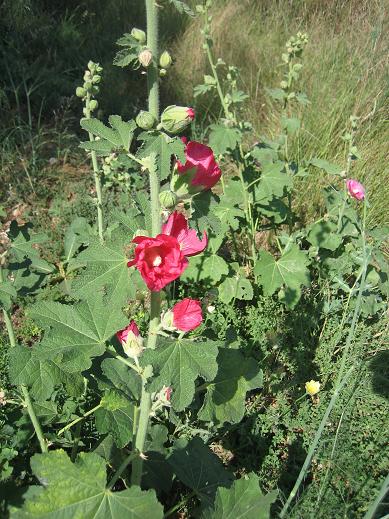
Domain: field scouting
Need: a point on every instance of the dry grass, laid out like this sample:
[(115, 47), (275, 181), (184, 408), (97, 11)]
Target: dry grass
[(345, 72)]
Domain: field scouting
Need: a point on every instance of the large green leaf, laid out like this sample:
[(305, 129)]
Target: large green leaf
[(164, 148), (223, 139), (178, 363), (206, 267), (115, 417), (41, 376), (117, 138), (324, 235), (244, 500), (117, 375), (225, 397), (289, 272), (77, 332), (273, 182), (203, 215), (7, 294), (78, 490), (200, 469), (236, 286), (106, 266)]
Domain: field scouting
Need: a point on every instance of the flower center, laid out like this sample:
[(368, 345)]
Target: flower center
[(157, 261)]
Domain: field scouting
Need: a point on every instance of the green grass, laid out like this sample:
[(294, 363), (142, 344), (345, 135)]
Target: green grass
[(345, 72)]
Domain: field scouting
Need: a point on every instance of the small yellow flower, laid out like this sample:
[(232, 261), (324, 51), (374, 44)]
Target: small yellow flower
[(312, 387)]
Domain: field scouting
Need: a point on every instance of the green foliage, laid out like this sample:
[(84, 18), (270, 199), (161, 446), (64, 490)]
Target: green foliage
[(79, 490), (243, 499)]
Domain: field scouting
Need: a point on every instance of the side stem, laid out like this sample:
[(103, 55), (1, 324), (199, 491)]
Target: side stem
[(97, 179)]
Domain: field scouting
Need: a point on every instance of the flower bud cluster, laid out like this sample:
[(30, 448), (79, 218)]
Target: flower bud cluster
[(90, 88), (295, 45)]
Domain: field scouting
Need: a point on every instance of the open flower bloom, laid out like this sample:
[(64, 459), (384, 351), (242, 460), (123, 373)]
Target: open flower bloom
[(177, 226), (131, 340), (355, 189), (200, 171), (312, 387), (187, 315), (162, 259)]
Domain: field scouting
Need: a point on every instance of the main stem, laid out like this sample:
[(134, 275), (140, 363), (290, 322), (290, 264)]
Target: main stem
[(26, 396), (97, 179), (155, 300)]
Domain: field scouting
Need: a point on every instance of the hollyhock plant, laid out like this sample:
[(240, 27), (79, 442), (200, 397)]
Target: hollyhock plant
[(355, 189), (200, 171), (131, 340), (163, 259)]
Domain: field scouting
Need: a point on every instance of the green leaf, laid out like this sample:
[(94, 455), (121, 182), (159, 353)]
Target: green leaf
[(203, 212), (206, 267), (290, 124), (223, 139), (235, 287), (244, 500), (276, 93), (289, 271), (41, 376), (7, 294), (273, 183), (182, 7), (106, 266), (46, 411), (117, 138), (164, 148), (331, 169), (199, 469), (23, 242), (202, 89), (77, 332), (115, 417), (225, 397), (78, 490), (178, 363), (116, 375), (77, 234), (324, 236)]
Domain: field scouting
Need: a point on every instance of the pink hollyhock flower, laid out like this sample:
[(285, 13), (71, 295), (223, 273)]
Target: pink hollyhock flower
[(177, 226), (187, 315), (200, 165), (131, 340), (159, 260), (163, 259), (355, 189), (168, 393)]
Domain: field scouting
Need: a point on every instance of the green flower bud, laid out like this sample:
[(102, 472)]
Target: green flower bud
[(139, 35), (88, 85), (145, 120), (93, 104), (80, 92), (96, 79), (174, 118), (162, 72), (91, 65), (165, 60), (145, 57), (284, 84), (87, 75), (85, 112), (168, 199)]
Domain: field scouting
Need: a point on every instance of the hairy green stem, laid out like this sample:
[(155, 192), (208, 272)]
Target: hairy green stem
[(97, 179), (155, 300), (121, 469), (26, 396), (77, 420)]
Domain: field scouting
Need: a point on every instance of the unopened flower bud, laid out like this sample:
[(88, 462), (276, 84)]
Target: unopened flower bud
[(284, 84), (168, 199), (175, 119), (145, 57), (162, 72), (139, 35), (145, 120), (96, 79), (165, 60), (91, 65), (93, 104), (88, 85), (87, 75), (80, 92), (131, 340)]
